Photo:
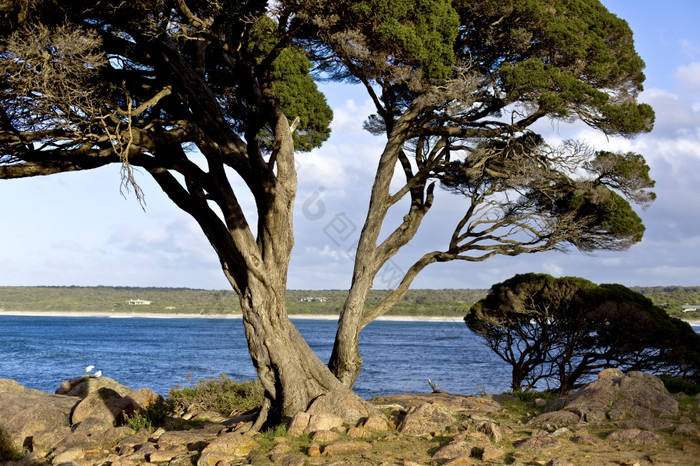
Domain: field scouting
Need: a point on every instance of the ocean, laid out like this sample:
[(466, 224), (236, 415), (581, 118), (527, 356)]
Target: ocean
[(160, 353)]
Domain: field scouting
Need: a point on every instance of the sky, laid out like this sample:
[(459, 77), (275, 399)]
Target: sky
[(80, 229)]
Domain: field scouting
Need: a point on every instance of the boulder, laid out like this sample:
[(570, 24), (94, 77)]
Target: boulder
[(427, 418), (491, 430), (83, 386), (344, 404), (616, 395), (33, 419), (143, 398), (298, 424), (635, 437), (323, 421), (454, 449), (105, 404), (376, 423), (225, 446)]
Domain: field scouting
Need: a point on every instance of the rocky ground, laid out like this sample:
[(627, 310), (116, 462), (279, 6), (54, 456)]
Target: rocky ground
[(620, 419)]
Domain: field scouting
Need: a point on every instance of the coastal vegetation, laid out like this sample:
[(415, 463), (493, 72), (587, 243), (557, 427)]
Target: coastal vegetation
[(558, 331), (420, 302)]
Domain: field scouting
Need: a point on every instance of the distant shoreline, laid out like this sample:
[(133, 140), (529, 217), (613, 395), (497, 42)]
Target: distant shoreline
[(146, 315)]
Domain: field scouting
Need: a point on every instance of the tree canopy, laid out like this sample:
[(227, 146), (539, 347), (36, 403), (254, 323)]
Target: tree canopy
[(557, 331), (201, 93)]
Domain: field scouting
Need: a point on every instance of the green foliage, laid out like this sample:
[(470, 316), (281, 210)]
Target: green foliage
[(221, 395), (558, 330), (680, 385), (301, 98), (529, 396), (153, 417), (393, 39), (8, 451), (558, 55)]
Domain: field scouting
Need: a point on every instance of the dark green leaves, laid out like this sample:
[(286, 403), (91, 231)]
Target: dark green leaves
[(300, 97)]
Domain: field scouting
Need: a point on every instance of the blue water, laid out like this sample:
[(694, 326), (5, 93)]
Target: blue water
[(159, 353)]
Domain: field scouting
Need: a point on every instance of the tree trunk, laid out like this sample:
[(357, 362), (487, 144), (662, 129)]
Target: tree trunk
[(292, 374)]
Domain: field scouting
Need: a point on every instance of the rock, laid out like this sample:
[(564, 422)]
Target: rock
[(552, 421), (69, 456), (492, 431), (635, 437), (129, 444), (279, 451), (454, 449), (225, 446), (298, 424), (610, 373), (344, 404), (359, 432), (68, 385), (348, 447), (690, 430), (143, 398), (211, 416), (93, 424), (314, 450), (492, 453), (194, 440), (376, 423), (87, 385), (617, 396), (474, 405), (426, 419), (164, 455), (323, 421), (324, 437), (33, 419), (104, 404), (559, 462)]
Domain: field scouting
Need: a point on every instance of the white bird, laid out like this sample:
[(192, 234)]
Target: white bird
[(98, 374), (89, 368)]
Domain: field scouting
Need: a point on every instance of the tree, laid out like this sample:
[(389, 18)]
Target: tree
[(559, 330), (457, 87)]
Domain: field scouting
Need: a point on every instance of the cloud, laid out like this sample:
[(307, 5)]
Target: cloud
[(689, 78)]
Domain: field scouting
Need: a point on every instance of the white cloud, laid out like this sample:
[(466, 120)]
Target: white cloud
[(689, 78)]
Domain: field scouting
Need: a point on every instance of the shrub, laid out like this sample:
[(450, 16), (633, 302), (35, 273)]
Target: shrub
[(8, 452), (222, 395), (559, 331)]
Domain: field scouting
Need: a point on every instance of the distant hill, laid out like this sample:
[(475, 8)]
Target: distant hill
[(421, 302)]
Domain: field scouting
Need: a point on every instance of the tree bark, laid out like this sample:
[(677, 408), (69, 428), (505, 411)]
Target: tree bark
[(292, 374)]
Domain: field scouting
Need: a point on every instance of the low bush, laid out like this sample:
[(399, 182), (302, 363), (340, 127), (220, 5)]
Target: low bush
[(221, 395), (8, 452)]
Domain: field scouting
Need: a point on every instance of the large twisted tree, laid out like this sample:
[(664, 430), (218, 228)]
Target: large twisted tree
[(457, 88)]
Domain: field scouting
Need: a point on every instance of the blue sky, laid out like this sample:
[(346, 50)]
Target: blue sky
[(77, 229)]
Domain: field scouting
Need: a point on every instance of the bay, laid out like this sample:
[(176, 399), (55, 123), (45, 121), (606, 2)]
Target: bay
[(160, 353)]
